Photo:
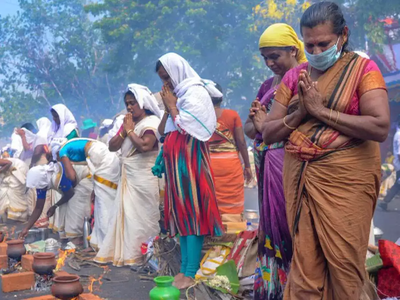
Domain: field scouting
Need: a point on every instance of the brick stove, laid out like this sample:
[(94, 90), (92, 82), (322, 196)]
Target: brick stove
[(81, 297)]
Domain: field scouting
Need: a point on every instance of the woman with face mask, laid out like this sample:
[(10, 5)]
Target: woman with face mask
[(282, 50), (333, 110)]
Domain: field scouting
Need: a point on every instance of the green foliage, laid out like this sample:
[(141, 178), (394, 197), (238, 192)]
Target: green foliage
[(214, 36), (61, 51), (50, 53)]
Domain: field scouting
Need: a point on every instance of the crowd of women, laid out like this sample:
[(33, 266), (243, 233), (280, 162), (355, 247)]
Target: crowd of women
[(316, 125)]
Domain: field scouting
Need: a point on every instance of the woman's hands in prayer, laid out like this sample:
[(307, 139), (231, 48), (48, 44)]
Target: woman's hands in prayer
[(258, 114), (129, 125), (309, 94), (168, 98)]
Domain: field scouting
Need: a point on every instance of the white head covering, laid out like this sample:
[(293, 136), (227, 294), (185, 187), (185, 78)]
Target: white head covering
[(183, 76), (55, 145), (119, 120), (16, 144), (67, 122), (29, 135), (194, 105), (106, 123), (44, 132), (145, 98), (362, 54), (39, 177)]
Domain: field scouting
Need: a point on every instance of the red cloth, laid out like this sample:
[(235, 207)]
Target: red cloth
[(389, 275)]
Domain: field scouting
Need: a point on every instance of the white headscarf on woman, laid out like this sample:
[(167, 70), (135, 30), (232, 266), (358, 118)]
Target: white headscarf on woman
[(67, 122), (145, 98), (194, 105), (39, 177), (44, 132), (17, 145)]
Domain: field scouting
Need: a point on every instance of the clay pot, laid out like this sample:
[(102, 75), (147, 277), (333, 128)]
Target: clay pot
[(66, 287), (15, 249), (44, 263)]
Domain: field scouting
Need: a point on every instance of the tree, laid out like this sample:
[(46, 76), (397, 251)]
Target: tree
[(50, 53), (214, 36)]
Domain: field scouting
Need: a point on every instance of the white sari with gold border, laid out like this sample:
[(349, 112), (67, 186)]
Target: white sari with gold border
[(136, 213), (13, 196)]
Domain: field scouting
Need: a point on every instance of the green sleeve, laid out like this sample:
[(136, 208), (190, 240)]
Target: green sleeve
[(72, 135)]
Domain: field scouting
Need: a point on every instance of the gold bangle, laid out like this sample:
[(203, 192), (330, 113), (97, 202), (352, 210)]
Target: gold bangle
[(330, 115), (284, 122), (120, 134), (337, 118), (129, 131)]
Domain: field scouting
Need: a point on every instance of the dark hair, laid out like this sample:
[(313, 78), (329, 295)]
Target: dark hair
[(158, 65), (129, 93), (30, 127), (323, 12), (217, 100)]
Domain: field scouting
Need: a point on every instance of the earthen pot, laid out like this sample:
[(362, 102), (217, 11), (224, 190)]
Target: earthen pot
[(66, 287), (44, 263), (15, 249)]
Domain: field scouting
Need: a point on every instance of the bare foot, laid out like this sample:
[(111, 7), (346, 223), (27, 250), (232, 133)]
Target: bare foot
[(179, 276), (185, 283)]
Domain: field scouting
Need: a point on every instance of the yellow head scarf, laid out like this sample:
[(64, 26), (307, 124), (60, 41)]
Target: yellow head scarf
[(282, 35)]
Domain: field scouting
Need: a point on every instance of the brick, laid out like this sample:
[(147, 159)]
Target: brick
[(18, 282), (3, 248), (3, 261), (87, 296), (27, 262), (47, 297)]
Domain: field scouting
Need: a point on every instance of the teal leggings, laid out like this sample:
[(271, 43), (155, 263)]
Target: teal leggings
[(191, 246)]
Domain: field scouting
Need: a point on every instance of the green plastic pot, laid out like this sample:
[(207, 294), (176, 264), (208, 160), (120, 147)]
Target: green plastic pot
[(164, 289)]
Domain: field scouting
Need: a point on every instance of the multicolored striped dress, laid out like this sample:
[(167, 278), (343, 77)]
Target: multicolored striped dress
[(190, 202)]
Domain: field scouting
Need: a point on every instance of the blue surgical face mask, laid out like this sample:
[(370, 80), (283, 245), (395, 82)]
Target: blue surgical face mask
[(324, 60)]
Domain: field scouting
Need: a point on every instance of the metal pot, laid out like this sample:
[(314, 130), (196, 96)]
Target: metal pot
[(44, 233), (52, 249)]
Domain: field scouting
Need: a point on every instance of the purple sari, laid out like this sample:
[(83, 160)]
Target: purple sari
[(275, 244)]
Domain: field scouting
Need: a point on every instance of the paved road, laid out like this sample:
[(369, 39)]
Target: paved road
[(387, 221), (127, 285)]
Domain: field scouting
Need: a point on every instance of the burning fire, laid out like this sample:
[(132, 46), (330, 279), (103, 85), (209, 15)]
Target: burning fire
[(62, 256), (93, 280), (7, 234)]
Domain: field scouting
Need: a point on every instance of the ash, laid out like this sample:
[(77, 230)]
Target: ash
[(13, 266), (42, 283)]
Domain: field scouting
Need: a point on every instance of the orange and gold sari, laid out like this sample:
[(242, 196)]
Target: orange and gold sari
[(331, 185), (227, 167)]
